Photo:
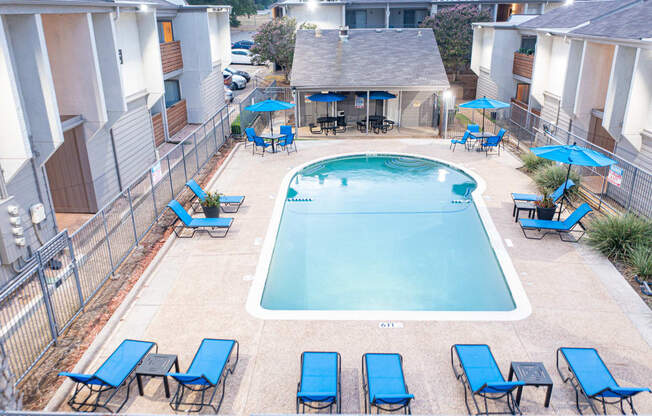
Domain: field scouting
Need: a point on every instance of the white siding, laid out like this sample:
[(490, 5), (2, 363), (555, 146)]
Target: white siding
[(212, 92), (133, 73), (324, 16), (486, 86)]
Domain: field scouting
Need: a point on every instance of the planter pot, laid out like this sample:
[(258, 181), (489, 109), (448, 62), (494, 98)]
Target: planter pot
[(546, 213), (211, 212)]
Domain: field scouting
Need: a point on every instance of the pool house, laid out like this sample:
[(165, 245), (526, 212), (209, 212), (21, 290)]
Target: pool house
[(366, 81)]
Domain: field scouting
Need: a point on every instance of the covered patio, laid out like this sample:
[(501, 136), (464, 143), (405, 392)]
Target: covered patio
[(367, 81)]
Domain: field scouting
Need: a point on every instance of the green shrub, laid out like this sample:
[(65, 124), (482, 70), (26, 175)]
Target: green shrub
[(640, 259), (235, 126), (617, 237), (533, 162), (212, 199), (551, 177)]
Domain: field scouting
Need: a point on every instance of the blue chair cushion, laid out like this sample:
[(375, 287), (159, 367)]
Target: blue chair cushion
[(178, 209), (196, 189), (385, 379), (319, 377), (564, 225), (118, 366), (593, 375), (526, 197), (481, 368), (210, 222), (209, 363), (231, 199)]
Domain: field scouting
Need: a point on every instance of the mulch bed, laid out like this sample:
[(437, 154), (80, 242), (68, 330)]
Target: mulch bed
[(41, 383)]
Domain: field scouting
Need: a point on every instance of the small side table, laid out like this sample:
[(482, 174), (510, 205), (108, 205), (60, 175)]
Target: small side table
[(532, 374), (156, 365), (519, 206)]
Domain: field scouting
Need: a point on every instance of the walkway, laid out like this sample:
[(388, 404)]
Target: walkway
[(200, 287)]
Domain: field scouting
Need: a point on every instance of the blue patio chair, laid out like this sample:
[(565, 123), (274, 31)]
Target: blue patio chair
[(211, 366), (288, 142), (479, 373), (556, 195), (260, 143), (473, 128), (226, 201), (250, 133), (493, 141), (459, 140), (319, 387), (565, 227), (209, 225), (592, 380), (384, 383), (115, 372)]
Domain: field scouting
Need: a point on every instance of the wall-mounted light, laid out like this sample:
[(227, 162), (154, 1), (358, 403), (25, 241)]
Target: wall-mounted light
[(143, 8), (568, 2), (312, 4)]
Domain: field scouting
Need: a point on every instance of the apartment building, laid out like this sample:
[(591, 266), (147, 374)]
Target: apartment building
[(83, 83), (361, 14), (586, 67)]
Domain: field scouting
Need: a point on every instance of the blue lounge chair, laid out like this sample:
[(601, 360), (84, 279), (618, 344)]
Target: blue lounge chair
[(493, 141), (260, 143), (592, 380), (250, 133), (556, 195), (473, 128), (457, 140), (384, 383), (209, 225), (226, 201), (565, 227), (288, 142), (319, 387), (114, 373), (211, 365), (478, 372)]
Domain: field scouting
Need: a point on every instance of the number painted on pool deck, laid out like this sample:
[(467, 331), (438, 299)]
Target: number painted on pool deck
[(390, 325)]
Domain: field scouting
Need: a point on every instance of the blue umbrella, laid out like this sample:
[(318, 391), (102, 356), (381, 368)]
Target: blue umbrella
[(329, 97), (377, 95), (269, 106), (484, 103), (572, 155)]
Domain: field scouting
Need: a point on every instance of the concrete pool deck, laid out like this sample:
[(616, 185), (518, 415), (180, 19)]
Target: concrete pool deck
[(200, 286)]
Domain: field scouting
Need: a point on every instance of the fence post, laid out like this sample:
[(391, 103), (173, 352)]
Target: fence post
[(222, 125), (133, 219), (73, 263), (214, 132), (151, 186), (170, 176), (108, 241), (183, 157), (46, 298), (631, 189), (194, 140)]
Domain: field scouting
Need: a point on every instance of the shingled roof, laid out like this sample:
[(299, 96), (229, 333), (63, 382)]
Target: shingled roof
[(368, 59), (633, 22), (571, 16)]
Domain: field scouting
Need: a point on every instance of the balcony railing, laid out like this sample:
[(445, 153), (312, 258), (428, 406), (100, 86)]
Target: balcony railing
[(523, 65), (171, 59), (177, 117)]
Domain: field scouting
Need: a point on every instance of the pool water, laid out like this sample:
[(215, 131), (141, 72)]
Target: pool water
[(383, 233)]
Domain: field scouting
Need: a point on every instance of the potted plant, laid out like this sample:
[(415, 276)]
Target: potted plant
[(211, 205), (545, 207)]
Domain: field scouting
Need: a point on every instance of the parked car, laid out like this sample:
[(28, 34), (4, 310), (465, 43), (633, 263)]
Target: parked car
[(228, 79), (228, 95), (241, 56), (237, 82), (242, 44), (236, 72)]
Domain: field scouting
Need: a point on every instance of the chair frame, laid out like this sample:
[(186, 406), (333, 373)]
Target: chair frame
[(338, 398), (462, 378), (177, 398), (264, 146), (579, 390), (496, 145), (247, 141), (458, 140), (211, 231), (293, 144), (368, 404), (98, 391), (570, 232), (223, 205)]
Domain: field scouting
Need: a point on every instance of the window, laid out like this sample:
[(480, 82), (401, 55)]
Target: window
[(523, 93), (528, 43), (165, 31), (172, 92)]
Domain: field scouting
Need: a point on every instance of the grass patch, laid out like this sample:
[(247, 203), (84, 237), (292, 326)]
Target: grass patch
[(463, 119), (533, 162), (640, 260), (619, 237), (550, 177)]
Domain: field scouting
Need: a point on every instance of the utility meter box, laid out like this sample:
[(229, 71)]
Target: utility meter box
[(12, 240), (37, 211)]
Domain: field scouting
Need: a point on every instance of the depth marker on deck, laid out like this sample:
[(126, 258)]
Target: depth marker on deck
[(509, 242)]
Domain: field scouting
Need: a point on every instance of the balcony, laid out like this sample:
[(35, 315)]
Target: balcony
[(177, 117), (171, 59), (523, 65), (159, 132)]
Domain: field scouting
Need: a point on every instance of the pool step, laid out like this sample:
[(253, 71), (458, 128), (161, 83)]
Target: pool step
[(402, 163)]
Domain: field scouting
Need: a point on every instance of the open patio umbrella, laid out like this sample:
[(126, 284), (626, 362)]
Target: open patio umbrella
[(484, 103), (377, 95), (572, 155), (270, 106), (329, 97)]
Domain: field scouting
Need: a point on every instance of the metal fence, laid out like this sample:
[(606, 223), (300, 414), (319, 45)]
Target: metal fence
[(272, 92), (524, 127), (65, 273)]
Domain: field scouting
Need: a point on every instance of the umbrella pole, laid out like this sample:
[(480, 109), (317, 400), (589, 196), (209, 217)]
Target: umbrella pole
[(271, 128), (563, 195), (483, 121)]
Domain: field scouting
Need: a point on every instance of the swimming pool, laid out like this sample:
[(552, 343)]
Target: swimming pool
[(374, 236)]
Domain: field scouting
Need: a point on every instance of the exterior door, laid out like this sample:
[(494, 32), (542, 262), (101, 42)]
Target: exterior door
[(69, 176), (599, 136)]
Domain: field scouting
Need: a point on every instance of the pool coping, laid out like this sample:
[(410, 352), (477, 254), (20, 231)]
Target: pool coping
[(253, 306)]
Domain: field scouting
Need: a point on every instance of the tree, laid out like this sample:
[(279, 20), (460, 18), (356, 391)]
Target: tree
[(238, 8), (454, 34), (274, 43)]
